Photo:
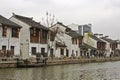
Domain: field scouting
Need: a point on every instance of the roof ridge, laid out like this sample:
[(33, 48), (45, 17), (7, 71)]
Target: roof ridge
[(15, 15), (6, 21)]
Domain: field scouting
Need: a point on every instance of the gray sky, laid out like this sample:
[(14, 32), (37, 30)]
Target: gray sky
[(104, 15)]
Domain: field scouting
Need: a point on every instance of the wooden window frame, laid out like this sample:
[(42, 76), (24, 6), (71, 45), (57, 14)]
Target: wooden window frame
[(15, 32), (4, 33), (61, 51)]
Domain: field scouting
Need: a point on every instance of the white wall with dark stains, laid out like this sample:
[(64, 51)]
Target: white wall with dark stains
[(88, 40), (9, 41), (108, 50), (26, 45), (24, 37), (64, 38)]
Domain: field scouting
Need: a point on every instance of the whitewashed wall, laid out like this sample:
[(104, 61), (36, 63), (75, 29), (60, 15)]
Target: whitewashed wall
[(24, 37), (67, 40), (25, 40), (9, 41), (118, 45), (38, 47), (107, 48), (88, 40)]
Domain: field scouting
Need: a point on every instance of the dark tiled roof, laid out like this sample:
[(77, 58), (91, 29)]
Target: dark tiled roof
[(60, 23), (73, 34), (85, 46), (95, 38), (118, 42), (59, 44), (30, 22), (6, 21), (108, 40)]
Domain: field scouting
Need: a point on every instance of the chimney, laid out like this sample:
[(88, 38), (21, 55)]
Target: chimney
[(31, 17), (106, 36), (13, 14), (100, 35), (90, 25), (96, 34)]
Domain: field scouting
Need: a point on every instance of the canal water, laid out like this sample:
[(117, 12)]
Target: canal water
[(84, 71)]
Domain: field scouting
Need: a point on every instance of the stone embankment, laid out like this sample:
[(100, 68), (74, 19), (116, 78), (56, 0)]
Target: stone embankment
[(8, 63), (82, 60), (15, 63)]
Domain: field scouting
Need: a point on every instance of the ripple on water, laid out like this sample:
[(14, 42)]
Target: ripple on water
[(88, 71)]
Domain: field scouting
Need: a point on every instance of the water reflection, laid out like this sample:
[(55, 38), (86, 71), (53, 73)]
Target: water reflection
[(87, 71)]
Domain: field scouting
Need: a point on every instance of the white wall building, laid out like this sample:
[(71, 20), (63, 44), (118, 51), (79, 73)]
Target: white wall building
[(33, 37), (9, 37), (66, 41), (111, 45)]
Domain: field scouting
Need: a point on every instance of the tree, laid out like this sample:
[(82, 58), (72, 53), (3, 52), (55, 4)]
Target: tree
[(48, 21)]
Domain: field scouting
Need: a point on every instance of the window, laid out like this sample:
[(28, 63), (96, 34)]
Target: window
[(4, 31), (12, 49), (67, 52), (43, 52), (34, 35), (52, 36), (34, 32), (76, 41), (33, 50), (51, 52), (15, 32), (62, 51), (37, 32), (81, 53), (44, 34), (72, 41), (31, 32), (72, 51), (76, 53), (4, 48)]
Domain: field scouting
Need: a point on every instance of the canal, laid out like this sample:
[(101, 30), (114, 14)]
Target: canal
[(85, 71)]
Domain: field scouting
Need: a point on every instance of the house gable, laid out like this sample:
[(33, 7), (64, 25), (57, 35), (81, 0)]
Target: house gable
[(61, 26), (6, 22)]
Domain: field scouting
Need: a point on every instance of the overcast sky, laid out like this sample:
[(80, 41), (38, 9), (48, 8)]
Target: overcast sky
[(104, 15)]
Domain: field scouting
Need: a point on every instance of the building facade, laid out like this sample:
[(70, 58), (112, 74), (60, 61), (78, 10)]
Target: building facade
[(33, 36), (66, 41), (9, 38), (111, 46)]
